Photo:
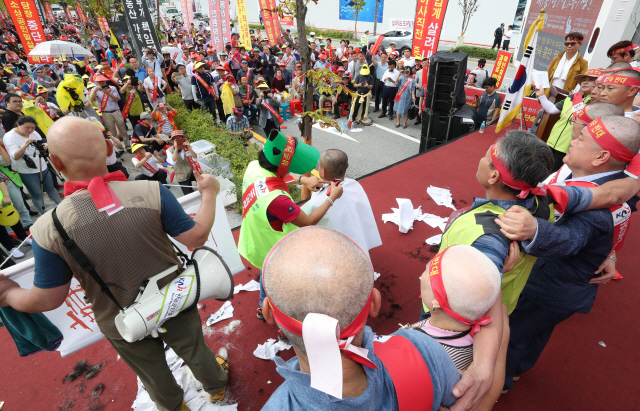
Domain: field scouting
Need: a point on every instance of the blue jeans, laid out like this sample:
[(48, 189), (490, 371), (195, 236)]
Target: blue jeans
[(16, 198), (262, 293), (32, 182)]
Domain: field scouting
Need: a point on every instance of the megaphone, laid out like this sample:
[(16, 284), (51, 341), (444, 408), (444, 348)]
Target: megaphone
[(206, 276)]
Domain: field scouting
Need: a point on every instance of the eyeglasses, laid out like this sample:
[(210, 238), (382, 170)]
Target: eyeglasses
[(570, 43), (575, 119)]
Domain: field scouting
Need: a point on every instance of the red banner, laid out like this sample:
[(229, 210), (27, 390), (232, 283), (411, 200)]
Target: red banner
[(270, 20), (104, 25), (48, 11), (501, 66), (81, 14), (427, 27), (530, 106), (219, 19), (374, 50), (27, 22)]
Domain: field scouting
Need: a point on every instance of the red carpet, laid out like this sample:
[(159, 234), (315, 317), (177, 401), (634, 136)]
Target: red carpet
[(574, 372)]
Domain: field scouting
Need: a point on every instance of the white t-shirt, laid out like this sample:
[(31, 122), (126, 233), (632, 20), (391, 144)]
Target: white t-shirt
[(635, 109), (111, 160), (560, 75), (410, 62), (395, 75), (143, 170), (148, 84), (507, 34), (12, 142)]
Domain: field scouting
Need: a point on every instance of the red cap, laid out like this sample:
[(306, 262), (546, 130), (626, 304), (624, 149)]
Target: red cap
[(323, 56), (100, 77)]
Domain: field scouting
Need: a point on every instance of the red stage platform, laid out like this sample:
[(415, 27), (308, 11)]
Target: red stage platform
[(574, 372)]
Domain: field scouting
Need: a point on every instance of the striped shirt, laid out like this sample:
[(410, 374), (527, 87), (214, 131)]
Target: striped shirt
[(459, 345)]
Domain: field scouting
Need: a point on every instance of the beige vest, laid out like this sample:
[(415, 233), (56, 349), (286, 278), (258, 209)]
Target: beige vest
[(126, 248), (182, 168)]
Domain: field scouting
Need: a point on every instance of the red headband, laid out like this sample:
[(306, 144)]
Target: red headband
[(285, 160), (508, 179), (582, 115), (624, 49), (437, 286), (619, 80), (608, 142)]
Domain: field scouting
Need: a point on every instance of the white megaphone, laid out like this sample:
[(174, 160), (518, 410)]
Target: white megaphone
[(208, 277)]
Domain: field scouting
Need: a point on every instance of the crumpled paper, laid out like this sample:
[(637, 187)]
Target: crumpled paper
[(404, 215), (376, 276), (194, 395), (226, 311), (435, 240), (434, 221), (269, 349), (441, 196), (252, 285)]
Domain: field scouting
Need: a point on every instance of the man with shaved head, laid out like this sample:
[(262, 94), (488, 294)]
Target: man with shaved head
[(620, 87), (569, 252), (351, 216), (107, 217), (308, 301)]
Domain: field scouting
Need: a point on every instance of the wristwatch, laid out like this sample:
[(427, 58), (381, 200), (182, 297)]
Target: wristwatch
[(613, 257)]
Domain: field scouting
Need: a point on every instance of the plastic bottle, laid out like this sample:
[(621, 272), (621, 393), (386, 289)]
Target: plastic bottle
[(482, 126)]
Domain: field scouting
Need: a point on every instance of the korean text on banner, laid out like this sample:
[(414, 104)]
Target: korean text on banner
[(75, 317), (401, 24), (104, 26), (270, 20), (81, 14), (142, 30), (501, 66), (427, 27), (185, 16), (189, 13), (243, 22), (25, 18), (219, 18), (41, 13)]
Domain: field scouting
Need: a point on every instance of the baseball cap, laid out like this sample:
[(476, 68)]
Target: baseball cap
[(145, 116)]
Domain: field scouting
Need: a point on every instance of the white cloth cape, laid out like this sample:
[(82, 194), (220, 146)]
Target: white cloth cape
[(351, 214)]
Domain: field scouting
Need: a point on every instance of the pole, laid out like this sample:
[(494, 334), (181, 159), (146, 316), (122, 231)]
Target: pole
[(375, 19)]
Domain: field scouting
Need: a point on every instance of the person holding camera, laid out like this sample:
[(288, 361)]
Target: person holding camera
[(150, 214), (267, 118), (131, 91), (107, 98), (184, 161), (238, 125), (155, 87), (183, 83), (145, 133), (27, 151), (149, 164)]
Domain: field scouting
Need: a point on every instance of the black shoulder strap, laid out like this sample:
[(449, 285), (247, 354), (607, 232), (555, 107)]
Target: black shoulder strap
[(82, 259)]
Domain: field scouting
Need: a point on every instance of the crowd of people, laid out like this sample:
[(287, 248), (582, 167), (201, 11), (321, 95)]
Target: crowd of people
[(524, 258)]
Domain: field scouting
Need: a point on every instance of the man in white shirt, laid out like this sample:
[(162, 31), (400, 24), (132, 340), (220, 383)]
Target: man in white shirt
[(507, 38), (107, 98), (194, 60), (155, 87), (389, 89), (148, 164), (408, 60), (353, 216), (150, 59)]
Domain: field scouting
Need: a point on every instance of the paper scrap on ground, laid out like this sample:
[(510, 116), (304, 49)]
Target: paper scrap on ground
[(434, 221), (435, 240), (269, 349), (226, 311), (404, 215), (252, 285), (441, 196), (355, 130), (602, 344), (194, 395), (376, 276)]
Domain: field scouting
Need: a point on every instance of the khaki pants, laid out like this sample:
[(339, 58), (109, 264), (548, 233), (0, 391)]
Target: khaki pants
[(114, 122), (324, 98), (147, 359)]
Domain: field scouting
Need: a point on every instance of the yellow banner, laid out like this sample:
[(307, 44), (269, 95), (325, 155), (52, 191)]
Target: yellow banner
[(245, 37)]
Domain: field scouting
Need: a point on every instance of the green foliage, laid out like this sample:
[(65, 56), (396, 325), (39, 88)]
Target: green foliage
[(256, 26), (332, 34), (480, 52), (198, 124)]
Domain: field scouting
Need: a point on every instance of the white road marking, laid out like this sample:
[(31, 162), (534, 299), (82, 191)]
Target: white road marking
[(335, 132), (415, 140)]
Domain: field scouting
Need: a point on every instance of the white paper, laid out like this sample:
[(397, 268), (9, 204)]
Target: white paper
[(376, 276), (541, 79), (435, 240), (269, 349), (404, 215), (441, 196), (225, 312), (434, 221), (325, 363), (252, 285)]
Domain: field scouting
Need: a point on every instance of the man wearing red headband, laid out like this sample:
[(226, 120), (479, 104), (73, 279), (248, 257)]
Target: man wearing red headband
[(620, 87), (623, 51), (570, 252), (362, 374), (567, 65)]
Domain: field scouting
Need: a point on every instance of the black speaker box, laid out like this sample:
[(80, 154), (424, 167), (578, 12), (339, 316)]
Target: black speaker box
[(445, 81)]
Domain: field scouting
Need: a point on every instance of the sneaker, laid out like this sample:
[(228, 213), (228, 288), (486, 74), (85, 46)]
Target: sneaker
[(506, 390), (259, 313), (282, 337), (219, 396), (33, 213), (16, 253), (27, 241), (516, 377)]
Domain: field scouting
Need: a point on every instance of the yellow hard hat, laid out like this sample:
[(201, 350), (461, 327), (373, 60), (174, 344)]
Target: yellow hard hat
[(136, 146)]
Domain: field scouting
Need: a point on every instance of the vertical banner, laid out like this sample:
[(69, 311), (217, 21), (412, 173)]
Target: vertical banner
[(245, 37), (270, 20), (185, 16), (48, 11), (104, 26), (25, 18), (43, 19), (501, 66), (67, 13), (428, 24), (219, 18), (143, 32), (81, 15), (189, 12)]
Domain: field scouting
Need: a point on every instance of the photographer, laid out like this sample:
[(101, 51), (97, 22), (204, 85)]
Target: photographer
[(78, 151), (184, 161), (183, 82), (107, 98), (267, 120), (27, 160), (131, 91)]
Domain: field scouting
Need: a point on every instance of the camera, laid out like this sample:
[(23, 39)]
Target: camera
[(135, 81), (39, 146)]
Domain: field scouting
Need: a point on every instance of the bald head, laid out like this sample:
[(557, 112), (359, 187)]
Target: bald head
[(618, 66), (599, 109), (335, 163), (318, 270), (626, 131), (471, 280), (78, 144)]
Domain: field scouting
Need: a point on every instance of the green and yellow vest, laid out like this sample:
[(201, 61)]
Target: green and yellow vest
[(560, 136), (257, 237)]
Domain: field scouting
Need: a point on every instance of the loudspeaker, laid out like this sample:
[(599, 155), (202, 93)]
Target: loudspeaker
[(208, 277), (445, 81), (438, 128)]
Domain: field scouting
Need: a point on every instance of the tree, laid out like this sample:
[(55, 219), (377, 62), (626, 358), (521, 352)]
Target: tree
[(358, 6), (469, 8)]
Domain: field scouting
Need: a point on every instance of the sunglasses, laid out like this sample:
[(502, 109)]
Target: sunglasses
[(571, 43)]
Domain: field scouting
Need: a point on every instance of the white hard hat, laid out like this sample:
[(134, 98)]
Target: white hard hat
[(312, 34)]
